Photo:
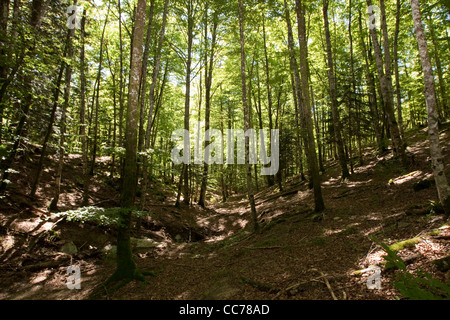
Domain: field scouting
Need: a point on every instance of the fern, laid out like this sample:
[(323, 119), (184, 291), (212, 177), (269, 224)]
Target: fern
[(418, 286)]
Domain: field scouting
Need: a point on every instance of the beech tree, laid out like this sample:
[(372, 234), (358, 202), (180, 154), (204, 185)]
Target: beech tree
[(126, 267), (248, 168), (430, 99)]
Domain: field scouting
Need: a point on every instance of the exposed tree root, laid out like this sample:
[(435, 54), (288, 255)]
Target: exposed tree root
[(119, 280)]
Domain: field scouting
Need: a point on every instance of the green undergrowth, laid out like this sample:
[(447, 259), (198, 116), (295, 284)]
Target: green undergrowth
[(99, 216), (417, 285)]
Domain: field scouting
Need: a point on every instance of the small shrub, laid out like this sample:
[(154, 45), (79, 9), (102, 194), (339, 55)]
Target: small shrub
[(100, 216)]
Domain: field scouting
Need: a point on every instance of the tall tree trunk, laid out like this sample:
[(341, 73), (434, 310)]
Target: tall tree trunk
[(126, 268), (270, 178), (371, 87), (208, 84), (333, 98), (121, 106), (97, 94), (152, 102), (353, 100), (84, 149), (143, 85), (250, 194), (305, 106), (430, 99), (250, 111), (186, 195)]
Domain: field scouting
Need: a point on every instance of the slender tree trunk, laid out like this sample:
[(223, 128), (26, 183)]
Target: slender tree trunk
[(297, 84), (305, 116), (121, 106), (398, 94), (223, 187), (51, 121), (297, 93), (84, 149), (114, 126), (208, 84), (385, 79), (430, 99), (371, 87), (186, 195), (270, 178), (317, 127), (353, 100), (333, 98), (250, 194), (97, 94), (250, 111), (443, 107), (62, 127), (297, 122)]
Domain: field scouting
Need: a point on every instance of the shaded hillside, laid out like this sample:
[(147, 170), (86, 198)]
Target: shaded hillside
[(211, 254)]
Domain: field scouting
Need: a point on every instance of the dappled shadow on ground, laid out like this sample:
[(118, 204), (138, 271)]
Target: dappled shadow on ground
[(212, 253)]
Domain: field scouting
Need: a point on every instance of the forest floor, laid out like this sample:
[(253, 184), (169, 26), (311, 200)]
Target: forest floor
[(212, 254)]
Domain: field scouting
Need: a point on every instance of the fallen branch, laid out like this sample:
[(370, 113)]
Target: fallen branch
[(284, 193), (47, 264), (327, 283), (39, 236)]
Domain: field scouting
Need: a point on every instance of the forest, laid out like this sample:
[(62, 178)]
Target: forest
[(224, 150)]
